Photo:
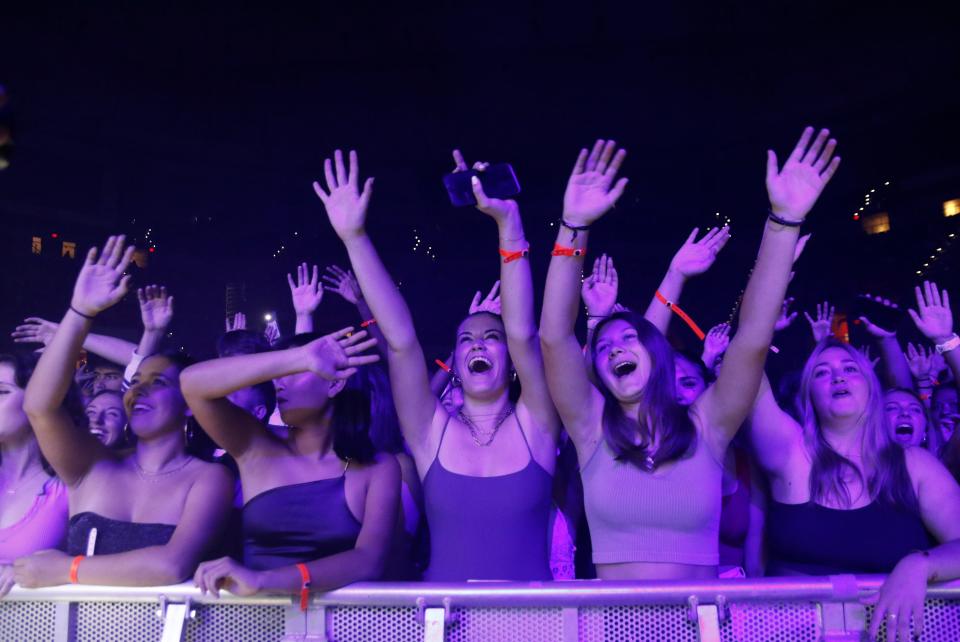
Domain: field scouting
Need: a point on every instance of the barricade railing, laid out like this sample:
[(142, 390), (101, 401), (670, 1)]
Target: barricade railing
[(800, 609)]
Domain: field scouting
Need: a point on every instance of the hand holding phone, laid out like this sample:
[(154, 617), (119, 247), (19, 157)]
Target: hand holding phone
[(498, 181)]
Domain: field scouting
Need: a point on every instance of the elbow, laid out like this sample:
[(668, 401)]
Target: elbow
[(371, 566), (34, 407), (174, 571), (190, 379)]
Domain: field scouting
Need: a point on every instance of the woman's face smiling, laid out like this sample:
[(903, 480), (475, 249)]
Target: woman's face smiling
[(481, 358), (153, 402), (621, 361)]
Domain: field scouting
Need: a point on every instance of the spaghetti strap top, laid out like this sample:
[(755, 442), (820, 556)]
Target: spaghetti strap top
[(488, 528), (43, 526), (298, 523)]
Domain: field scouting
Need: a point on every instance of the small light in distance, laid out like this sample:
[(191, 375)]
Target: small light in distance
[(268, 317)]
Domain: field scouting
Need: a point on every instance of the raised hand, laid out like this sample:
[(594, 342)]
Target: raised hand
[(346, 205), (786, 318), (306, 292), (696, 257), (343, 282), (490, 303), (272, 332), (715, 344), (921, 362), (795, 188), (876, 331), (600, 289), (820, 327), (500, 210), (337, 355), (865, 351), (933, 316), (239, 322), (591, 190), (101, 282), (35, 330), (156, 308)]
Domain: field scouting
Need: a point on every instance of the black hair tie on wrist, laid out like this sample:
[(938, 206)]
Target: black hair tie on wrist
[(85, 316), (782, 221), (574, 228)]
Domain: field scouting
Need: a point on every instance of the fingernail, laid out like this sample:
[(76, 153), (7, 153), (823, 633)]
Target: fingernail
[(474, 180)]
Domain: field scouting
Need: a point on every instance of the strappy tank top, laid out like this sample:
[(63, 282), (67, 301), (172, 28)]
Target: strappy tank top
[(810, 539), (43, 526), (298, 523), (488, 528), (670, 516), (114, 535)]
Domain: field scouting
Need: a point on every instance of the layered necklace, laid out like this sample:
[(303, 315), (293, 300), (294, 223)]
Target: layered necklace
[(485, 437)]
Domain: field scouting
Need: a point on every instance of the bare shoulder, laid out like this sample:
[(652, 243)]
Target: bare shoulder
[(922, 465), (211, 473)]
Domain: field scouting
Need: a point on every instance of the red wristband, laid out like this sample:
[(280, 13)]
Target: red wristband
[(304, 586), (74, 567), (368, 322), (560, 250), (511, 255), (443, 366), (680, 313)]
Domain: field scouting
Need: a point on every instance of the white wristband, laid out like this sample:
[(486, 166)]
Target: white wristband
[(950, 344)]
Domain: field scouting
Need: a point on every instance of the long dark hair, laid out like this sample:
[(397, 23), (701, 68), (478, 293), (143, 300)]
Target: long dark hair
[(660, 414), (352, 418), (887, 479)]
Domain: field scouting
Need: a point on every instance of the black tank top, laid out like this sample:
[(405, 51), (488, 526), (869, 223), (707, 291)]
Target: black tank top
[(809, 539), (113, 535), (298, 523)]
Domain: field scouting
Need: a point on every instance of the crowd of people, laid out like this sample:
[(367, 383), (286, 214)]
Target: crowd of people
[(314, 461)]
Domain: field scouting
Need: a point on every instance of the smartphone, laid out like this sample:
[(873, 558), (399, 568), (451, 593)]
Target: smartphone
[(498, 181), (880, 315)]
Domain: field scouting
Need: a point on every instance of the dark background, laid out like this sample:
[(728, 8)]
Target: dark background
[(206, 126)]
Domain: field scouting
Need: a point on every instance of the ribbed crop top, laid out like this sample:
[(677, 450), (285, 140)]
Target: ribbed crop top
[(669, 516)]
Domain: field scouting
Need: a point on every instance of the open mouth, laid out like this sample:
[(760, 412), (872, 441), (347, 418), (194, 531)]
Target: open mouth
[(478, 364), (904, 430), (139, 408), (623, 368), (840, 394)]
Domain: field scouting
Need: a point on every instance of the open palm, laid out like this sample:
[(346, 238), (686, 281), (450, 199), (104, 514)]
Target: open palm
[(591, 190), (346, 205), (795, 188), (101, 283)]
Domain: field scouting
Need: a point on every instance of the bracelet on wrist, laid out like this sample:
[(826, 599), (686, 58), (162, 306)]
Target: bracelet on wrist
[(510, 256), (561, 250), (574, 228), (950, 344), (79, 313), (782, 221)]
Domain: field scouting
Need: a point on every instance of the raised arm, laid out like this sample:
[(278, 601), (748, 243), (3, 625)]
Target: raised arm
[(201, 523), (516, 300), (206, 385), (591, 192), (793, 191), (306, 293), (156, 312), (694, 257), (37, 330), (599, 293), (100, 285), (344, 283), (934, 319), (896, 370), (346, 208)]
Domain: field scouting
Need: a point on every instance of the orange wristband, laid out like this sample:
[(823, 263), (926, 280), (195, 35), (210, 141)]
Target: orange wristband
[(304, 586), (74, 567), (680, 313), (510, 256), (560, 250), (443, 366), (368, 322)]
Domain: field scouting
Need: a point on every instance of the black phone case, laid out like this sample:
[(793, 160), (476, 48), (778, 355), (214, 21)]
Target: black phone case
[(498, 181)]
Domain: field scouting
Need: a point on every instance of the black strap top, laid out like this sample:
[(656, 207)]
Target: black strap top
[(810, 539), (113, 535), (298, 523)]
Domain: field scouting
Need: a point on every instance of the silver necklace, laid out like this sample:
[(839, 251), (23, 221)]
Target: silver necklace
[(148, 475), (477, 433)]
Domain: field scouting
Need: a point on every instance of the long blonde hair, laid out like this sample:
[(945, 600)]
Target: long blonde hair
[(886, 477)]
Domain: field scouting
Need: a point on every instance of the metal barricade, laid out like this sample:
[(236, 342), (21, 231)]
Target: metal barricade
[(811, 609)]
